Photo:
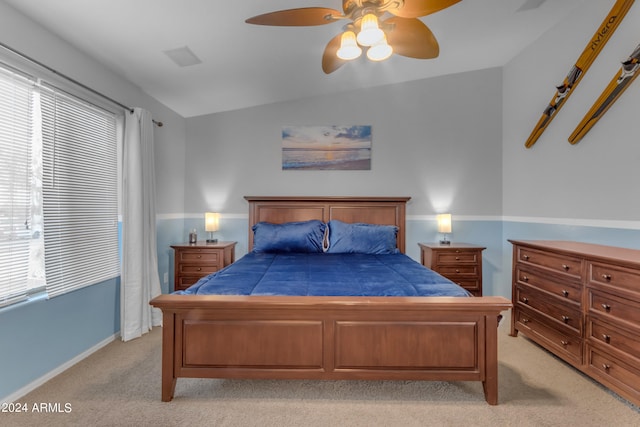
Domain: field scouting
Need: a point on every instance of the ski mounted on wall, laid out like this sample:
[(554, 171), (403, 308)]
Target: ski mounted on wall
[(595, 45), (621, 81)]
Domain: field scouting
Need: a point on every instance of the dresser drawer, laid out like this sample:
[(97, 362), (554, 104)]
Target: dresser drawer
[(563, 264), (565, 315), (615, 308), (203, 255), (614, 373), (618, 277), (567, 346), (610, 337), (567, 289), (457, 257)]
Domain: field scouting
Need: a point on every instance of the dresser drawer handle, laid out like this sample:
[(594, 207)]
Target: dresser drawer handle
[(566, 319), (525, 257), (457, 271), (457, 251), (606, 367), (457, 258), (199, 256), (606, 307), (606, 277), (565, 293), (525, 321), (606, 338), (525, 300), (525, 278), (565, 267), (199, 269), (564, 343)]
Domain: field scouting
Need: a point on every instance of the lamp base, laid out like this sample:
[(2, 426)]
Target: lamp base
[(445, 242), (212, 240)]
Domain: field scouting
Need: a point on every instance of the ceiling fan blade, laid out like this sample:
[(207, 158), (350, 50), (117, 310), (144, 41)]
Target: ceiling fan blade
[(415, 8), (304, 16), (330, 60), (412, 38)]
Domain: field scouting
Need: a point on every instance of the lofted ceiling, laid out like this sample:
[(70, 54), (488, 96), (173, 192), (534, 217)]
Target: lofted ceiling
[(246, 65)]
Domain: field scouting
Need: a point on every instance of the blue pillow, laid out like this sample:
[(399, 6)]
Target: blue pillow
[(304, 236), (361, 238)]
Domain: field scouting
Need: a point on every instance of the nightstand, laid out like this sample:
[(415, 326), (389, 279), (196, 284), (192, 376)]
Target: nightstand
[(193, 261), (458, 262)]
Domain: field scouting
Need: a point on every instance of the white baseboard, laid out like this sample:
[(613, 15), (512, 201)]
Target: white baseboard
[(46, 377)]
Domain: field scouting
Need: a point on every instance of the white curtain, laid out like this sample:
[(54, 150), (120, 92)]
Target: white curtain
[(140, 281)]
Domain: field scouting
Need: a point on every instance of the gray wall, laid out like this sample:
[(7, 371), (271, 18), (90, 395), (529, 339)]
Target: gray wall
[(597, 179), (437, 140)]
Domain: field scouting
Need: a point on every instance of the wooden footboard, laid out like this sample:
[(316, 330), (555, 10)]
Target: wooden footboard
[(373, 338)]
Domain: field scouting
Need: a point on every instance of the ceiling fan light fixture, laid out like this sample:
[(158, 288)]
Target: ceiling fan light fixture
[(349, 49), (370, 33), (380, 51)]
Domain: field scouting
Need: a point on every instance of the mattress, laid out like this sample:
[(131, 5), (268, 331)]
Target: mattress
[(324, 274)]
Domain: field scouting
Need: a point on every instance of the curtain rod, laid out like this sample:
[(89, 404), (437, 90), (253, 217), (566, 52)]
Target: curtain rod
[(72, 80)]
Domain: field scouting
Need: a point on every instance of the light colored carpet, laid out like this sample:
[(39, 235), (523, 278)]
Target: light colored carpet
[(120, 386)]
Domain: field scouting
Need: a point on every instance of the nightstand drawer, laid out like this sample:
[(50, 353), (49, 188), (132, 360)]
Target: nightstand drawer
[(457, 257), (199, 256), (459, 270)]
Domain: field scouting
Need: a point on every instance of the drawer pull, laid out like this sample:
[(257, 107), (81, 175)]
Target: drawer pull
[(606, 307), (565, 292), (525, 257), (566, 319), (457, 258), (525, 278), (525, 321), (525, 300), (199, 256), (606, 367), (199, 269), (457, 271), (606, 338), (565, 267), (564, 343), (457, 251), (606, 277)]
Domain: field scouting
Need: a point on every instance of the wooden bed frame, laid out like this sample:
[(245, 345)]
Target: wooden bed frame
[(352, 338)]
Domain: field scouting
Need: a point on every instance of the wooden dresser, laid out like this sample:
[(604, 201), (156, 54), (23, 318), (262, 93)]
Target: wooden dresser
[(193, 261), (582, 302), (458, 262)]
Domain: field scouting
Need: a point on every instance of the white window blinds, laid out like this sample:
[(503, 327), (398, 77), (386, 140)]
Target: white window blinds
[(80, 193), (16, 181)]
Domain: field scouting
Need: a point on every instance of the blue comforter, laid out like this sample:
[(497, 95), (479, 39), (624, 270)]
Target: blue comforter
[(323, 274)]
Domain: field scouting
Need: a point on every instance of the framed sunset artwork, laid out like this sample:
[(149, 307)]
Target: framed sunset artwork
[(326, 147)]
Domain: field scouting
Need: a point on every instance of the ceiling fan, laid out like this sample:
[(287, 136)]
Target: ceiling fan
[(383, 27)]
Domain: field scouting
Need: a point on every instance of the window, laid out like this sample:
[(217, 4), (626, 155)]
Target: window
[(78, 185), (16, 131)]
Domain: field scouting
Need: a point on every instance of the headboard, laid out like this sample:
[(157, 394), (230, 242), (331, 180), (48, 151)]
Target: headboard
[(371, 210)]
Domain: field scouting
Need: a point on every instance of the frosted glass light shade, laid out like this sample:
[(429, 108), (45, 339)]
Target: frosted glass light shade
[(380, 51), (444, 223), (211, 221), (369, 33), (349, 49)]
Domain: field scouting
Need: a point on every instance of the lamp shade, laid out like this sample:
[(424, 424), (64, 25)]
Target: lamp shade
[(211, 221), (380, 50), (349, 49), (444, 223), (370, 33)]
